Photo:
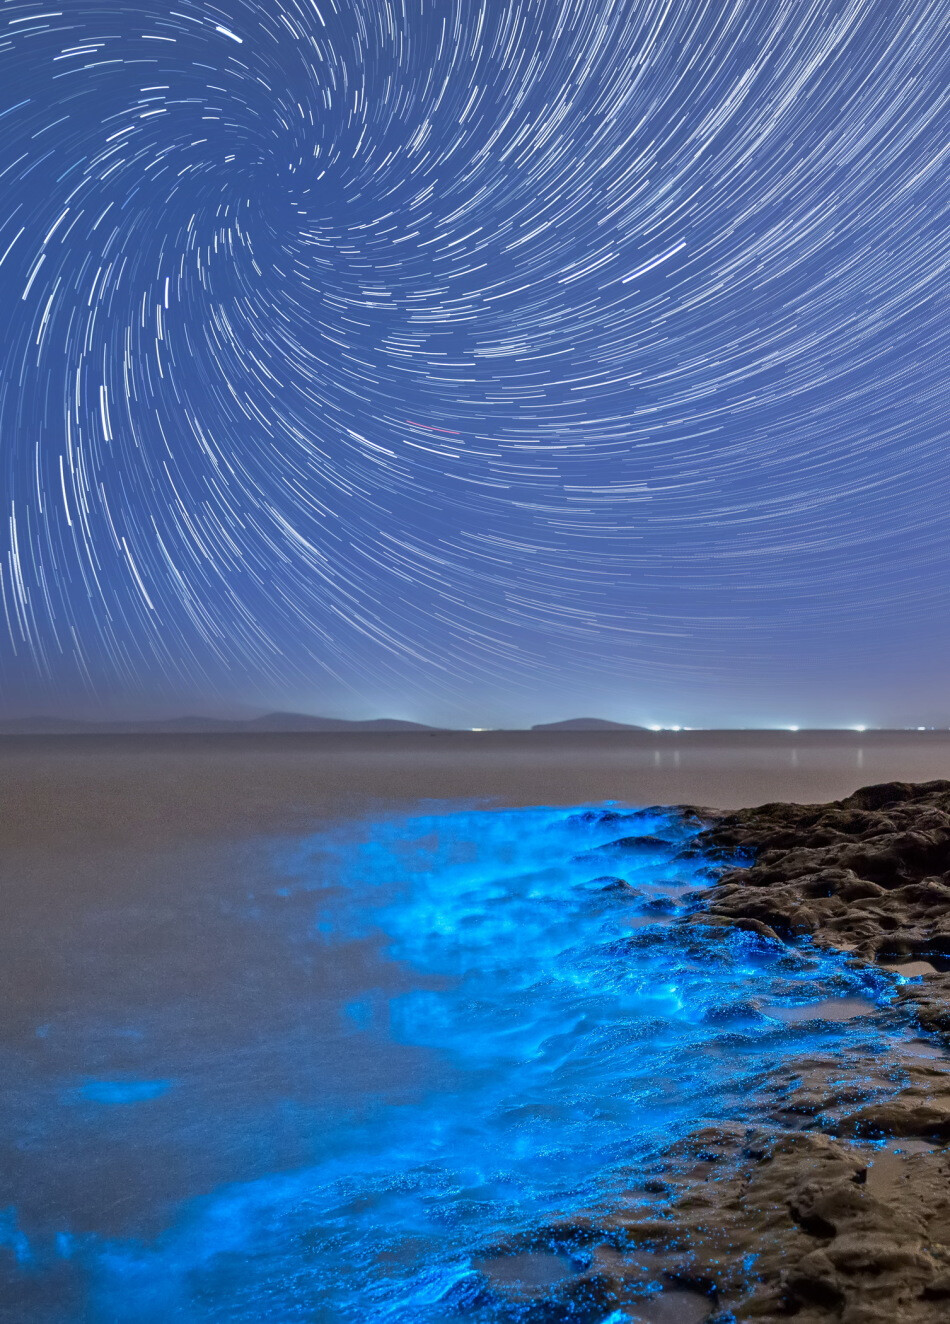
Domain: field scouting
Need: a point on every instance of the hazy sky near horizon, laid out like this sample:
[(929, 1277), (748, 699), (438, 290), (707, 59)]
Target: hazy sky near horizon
[(476, 361)]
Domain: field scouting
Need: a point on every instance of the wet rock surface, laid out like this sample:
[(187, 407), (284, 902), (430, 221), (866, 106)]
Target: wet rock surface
[(790, 1225), (870, 873), (841, 1209), (836, 1207)]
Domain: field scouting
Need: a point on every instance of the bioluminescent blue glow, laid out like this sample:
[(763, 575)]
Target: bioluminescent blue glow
[(564, 1031), (121, 1091)]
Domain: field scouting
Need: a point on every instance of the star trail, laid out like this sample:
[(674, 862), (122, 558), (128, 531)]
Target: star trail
[(419, 353)]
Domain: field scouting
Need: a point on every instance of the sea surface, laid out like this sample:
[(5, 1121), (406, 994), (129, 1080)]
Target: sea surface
[(77, 793), (317, 1075)]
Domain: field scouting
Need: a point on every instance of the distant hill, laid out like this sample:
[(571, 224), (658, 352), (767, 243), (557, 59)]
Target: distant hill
[(272, 722), (587, 724), (302, 722)]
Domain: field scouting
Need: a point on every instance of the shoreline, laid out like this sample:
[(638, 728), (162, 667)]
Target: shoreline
[(829, 1206), (836, 1207)]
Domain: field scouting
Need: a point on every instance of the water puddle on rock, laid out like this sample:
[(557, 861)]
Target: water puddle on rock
[(558, 1029), (827, 1009), (528, 1284), (886, 1164), (526, 1272)]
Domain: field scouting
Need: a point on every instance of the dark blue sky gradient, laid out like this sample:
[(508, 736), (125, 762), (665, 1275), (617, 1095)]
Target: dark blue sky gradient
[(476, 360)]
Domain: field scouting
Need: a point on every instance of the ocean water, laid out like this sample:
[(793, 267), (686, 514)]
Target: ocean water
[(326, 1089)]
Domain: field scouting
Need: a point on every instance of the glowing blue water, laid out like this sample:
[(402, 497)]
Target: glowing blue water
[(571, 1031)]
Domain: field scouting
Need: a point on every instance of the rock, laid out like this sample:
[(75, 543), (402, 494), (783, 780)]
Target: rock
[(778, 1223), (870, 873), (898, 1117), (814, 1280), (627, 844), (786, 1225)]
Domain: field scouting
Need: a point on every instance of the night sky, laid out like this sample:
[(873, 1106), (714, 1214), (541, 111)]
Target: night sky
[(476, 360)]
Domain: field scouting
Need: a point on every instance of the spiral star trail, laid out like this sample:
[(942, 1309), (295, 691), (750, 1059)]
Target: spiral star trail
[(423, 350)]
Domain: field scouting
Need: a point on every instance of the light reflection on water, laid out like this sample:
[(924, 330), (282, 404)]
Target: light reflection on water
[(567, 1030)]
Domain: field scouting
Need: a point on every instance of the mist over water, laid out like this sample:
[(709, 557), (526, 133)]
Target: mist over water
[(509, 1027)]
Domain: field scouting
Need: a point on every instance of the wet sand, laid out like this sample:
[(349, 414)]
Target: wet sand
[(76, 790)]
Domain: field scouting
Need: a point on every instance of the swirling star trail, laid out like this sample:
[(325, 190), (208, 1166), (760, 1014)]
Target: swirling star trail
[(417, 350)]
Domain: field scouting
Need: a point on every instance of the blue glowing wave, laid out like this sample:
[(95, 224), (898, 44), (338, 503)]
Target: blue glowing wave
[(577, 1029)]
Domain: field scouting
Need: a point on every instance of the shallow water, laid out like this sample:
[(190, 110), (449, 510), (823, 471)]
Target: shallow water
[(335, 1079)]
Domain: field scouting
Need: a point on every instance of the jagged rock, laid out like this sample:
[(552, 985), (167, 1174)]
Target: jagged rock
[(775, 1223), (791, 1227), (870, 872), (899, 1117)]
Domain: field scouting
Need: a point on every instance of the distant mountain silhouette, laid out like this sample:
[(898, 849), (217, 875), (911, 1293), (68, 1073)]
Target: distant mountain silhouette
[(275, 723), (587, 724), (303, 722), (272, 722)]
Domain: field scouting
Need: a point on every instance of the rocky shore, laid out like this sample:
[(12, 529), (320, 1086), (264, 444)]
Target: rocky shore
[(833, 1229), (805, 1221), (836, 1207)]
